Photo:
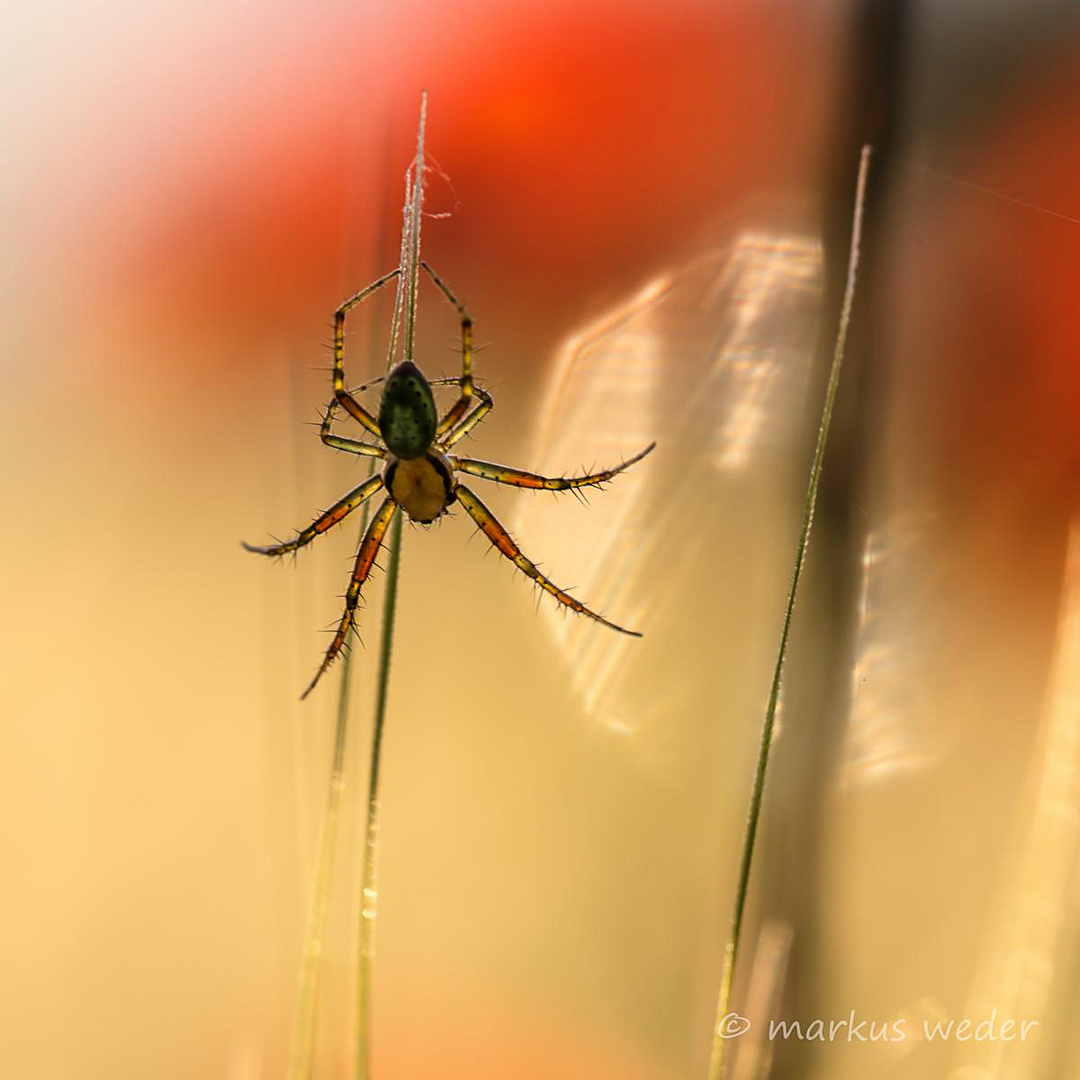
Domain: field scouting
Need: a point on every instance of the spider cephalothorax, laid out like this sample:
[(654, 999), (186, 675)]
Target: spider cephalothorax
[(407, 413), (420, 475)]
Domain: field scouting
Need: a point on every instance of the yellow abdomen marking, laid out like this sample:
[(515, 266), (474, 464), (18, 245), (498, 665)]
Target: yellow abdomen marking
[(421, 486)]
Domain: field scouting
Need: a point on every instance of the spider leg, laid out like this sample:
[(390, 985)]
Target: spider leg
[(365, 559), (382, 378), (352, 446), (348, 402), (469, 422), (502, 474), (461, 406), (331, 517), (504, 543)]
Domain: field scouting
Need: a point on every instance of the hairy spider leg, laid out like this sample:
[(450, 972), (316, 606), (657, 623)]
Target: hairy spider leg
[(348, 402), (450, 381), (326, 520), (469, 422), (503, 474), (365, 559), (504, 543), (338, 442), (461, 406)]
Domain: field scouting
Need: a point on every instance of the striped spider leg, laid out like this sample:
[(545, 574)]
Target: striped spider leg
[(348, 402), (364, 491), (365, 559), (501, 539), (324, 521), (461, 406), (504, 543), (503, 474)]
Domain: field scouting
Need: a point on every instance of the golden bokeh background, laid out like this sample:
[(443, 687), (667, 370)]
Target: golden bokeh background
[(631, 201)]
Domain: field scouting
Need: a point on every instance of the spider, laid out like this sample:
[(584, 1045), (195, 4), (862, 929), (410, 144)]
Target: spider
[(421, 475)]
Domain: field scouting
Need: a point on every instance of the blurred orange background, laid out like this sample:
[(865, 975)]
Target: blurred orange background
[(630, 200)]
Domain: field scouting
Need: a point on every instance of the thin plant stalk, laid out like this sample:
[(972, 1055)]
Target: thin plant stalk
[(404, 312), (303, 1041), (301, 1057), (727, 1024), (369, 877)]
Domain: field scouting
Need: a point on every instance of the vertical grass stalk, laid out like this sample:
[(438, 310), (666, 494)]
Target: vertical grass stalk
[(726, 1024), (404, 312), (301, 1054), (302, 1051), (369, 874)]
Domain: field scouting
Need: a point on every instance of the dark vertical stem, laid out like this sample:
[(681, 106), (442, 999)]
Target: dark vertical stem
[(723, 1028), (404, 313), (871, 105), (369, 881)]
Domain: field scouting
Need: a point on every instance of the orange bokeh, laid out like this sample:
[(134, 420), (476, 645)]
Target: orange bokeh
[(581, 150)]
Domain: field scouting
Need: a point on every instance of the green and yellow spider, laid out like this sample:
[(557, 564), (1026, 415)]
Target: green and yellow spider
[(420, 475)]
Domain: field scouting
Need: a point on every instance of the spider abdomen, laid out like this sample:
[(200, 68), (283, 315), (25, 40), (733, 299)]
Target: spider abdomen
[(420, 486), (407, 414)]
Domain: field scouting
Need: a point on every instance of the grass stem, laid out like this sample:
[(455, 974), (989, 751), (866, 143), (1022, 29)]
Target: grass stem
[(302, 1051), (369, 877), (404, 312), (726, 1024), (303, 1041)]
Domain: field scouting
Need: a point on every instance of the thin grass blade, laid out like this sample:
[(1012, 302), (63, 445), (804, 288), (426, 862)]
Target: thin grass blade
[(727, 1024)]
